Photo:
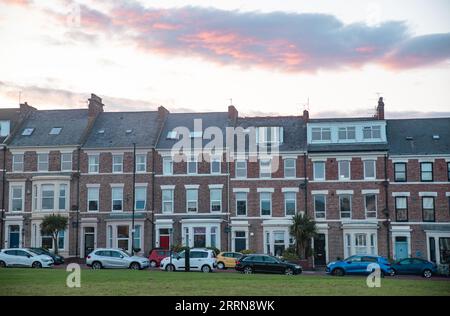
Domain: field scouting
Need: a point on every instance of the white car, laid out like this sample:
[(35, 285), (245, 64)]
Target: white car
[(20, 257), (115, 258), (199, 260)]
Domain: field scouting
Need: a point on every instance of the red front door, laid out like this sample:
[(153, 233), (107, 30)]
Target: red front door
[(164, 242)]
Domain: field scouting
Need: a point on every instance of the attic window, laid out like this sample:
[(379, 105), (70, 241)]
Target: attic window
[(27, 131), (195, 134), (55, 131), (436, 137), (172, 135), (101, 131), (128, 131)]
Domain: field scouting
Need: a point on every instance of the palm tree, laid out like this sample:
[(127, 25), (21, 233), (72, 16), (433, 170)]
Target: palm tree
[(52, 225), (303, 228)]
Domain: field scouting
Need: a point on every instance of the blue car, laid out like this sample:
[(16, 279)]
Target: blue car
[(415, 266), (358, 264)]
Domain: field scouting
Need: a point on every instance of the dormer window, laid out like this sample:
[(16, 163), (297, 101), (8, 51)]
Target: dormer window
[(372, 132), (321, 134), (270, 135), (172, 135), (55, 131), (346, 133), (27, 131)]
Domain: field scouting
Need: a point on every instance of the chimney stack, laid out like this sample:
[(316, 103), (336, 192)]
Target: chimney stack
[(233, 114), (380, 109), (305, 115), (95, 105), (25, 109)]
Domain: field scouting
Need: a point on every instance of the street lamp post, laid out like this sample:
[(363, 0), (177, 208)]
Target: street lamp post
[(134, 198)]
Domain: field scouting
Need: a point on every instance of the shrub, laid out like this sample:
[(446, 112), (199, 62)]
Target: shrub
[(290, 255)]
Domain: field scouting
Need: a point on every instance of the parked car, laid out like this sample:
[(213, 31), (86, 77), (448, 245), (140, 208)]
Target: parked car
[(415, 266), (358, 265), (268, 264), (115, 258), (21, 257), (156, 255), (200, 259), (227, 259), (57, 259)]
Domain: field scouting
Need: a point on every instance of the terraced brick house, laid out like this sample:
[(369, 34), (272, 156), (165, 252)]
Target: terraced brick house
[(41, 164), (267, 183), (419, 188), (118, 153), (192, 182), (347, 185)]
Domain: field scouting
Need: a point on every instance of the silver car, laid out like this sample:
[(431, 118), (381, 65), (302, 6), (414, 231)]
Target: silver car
[(115, 258)]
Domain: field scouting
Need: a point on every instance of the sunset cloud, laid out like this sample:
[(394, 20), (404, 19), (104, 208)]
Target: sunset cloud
[(292, 42)]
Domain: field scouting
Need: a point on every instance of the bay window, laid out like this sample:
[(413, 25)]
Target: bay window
[(48, 196)]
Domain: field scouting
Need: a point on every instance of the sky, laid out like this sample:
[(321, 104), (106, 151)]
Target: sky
[(266, 57)]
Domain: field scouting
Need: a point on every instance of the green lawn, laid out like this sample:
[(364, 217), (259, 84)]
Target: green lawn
[(127, 282)]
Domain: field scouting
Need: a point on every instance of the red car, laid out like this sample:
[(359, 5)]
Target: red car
[(156, 255)]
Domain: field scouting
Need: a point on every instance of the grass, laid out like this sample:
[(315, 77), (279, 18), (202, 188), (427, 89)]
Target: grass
[(128, 282)]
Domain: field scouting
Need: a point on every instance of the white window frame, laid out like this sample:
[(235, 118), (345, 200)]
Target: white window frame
[(265, 172), (244, 162), (66, 161), (117, 164), (365, 205), (192, 160), (261, 194), (94, 163), (293, 169), (325, 206), (321, 131), (191, 201), (167, 162), (11, 196), (290, 199), (215, 160), (374, 169), (351, 208), (211, 201), (93, 188), (140, 187), (41, 162), (167, 201), (340, 175), (116, 189), (17, 166), (139, 164), (372, 130), (347, 130), (241, 199), (315, 176)]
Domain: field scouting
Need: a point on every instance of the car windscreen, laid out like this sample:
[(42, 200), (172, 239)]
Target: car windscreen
[(36, 252)]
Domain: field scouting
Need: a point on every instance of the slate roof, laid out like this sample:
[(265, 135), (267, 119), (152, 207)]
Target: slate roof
[(72, 122), (294, 128), (143, 126), (348, 147), (421, 131), (174, 120)]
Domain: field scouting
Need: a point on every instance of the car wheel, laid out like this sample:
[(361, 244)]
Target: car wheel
[(427, 273), (170, 267), (248, 270), (2, 264), (338, 272), (153, 264), (135, 266), (221, 266), (206, 269), (96, 265), (288, 271), (36, 265)]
